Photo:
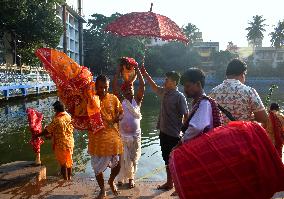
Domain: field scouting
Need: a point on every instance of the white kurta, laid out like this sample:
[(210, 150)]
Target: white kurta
[(201, 119), (130, 130)]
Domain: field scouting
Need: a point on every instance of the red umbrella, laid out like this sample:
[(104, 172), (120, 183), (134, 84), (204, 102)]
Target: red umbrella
[(147, 24)]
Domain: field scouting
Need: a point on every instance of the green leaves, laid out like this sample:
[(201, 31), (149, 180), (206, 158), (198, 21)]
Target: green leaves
[(34, 22), (190, 31), (256, 29), (272, 88), (102, 49), (277, 36)]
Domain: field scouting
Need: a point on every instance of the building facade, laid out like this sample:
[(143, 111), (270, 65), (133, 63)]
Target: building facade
[(205, 51), (71, 42), (268, 55)]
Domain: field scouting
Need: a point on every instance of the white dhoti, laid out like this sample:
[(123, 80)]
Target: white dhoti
[(129, 158), (101, 163), (130, 130)]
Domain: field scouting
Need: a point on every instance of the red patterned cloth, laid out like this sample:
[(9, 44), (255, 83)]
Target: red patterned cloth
[(146, 24), (35, 119), (234, 161), (75, 88)]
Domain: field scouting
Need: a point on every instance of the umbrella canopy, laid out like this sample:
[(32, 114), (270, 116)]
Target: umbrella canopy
[(75, 88), (146, 24)]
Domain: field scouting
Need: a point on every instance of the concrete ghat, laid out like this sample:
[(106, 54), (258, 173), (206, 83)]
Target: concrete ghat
[(20, 172), (55, 188)]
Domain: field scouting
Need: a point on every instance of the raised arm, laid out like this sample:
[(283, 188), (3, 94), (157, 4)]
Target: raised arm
[(149, 79), (141, 87), (115, 86)]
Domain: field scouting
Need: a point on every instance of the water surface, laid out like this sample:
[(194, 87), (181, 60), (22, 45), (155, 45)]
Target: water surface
[(15, 136)]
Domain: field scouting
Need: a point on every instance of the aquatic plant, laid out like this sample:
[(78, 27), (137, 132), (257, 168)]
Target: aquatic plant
[(268, 97)]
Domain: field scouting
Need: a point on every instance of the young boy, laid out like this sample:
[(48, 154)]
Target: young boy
[(61, 131)]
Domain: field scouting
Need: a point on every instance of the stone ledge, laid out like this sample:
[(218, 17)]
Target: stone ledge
[(18, 172)]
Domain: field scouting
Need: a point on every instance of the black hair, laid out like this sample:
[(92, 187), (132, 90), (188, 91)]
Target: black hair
[(193, 75), (58, 106), (102, 78), (123, 61), (236, 67), (173, 75), (274, 107)]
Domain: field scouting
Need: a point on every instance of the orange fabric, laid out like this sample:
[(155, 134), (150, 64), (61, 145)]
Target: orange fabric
[(64, 157), (61, 130), (275, 130), (107, 141), (75, 87)]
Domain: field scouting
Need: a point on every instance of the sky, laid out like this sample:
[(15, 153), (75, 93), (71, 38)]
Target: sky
[(218, 20)]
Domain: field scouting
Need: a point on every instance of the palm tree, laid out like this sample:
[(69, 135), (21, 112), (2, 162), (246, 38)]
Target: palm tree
[(255, 30), (277, 36), (190, 31)]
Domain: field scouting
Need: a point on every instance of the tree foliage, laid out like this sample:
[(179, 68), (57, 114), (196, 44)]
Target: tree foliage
[(256, 29), (32, 24), (172, 56), (190, 31), (277, 36), (221, 60), (102, 49)]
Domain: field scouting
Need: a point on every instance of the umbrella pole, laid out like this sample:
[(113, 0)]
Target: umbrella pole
[(144, 51)]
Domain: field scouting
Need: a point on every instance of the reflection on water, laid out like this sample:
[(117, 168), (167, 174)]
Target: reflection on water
[(15, 136)]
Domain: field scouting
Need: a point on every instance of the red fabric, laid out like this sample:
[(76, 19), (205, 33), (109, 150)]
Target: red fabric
[(125, 85), (35, 119), (75, 87), (235, 161), (147, 24), (278, 131), (130, 61)]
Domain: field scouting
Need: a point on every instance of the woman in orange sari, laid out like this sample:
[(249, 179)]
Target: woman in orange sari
[(61, 131)]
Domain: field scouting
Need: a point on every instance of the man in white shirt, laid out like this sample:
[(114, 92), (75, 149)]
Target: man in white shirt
[(205, 114)]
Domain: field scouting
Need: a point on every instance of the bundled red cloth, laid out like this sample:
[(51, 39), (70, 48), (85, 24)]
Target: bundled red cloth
[(75, 88), (130, 61), (235, 161), (35, 119)]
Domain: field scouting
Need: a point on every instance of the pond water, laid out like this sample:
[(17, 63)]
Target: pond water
[(15, 136)]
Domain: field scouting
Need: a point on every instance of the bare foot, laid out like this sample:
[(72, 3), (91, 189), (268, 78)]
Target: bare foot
[(174, 193), (167, 186), (113, 187), (131, 184), (102, 195), (119, 183)]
